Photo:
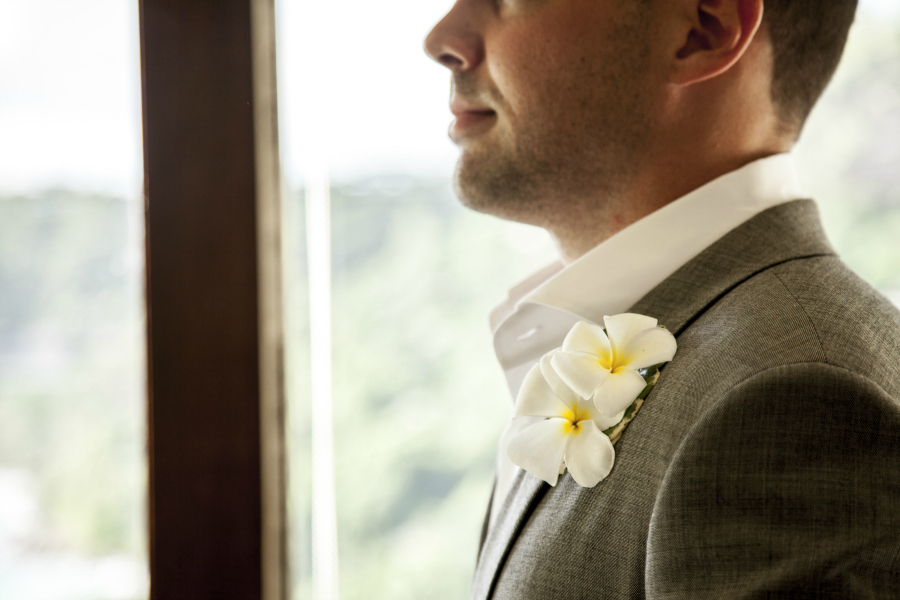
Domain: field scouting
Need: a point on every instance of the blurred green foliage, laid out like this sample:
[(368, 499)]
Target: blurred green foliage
[(71, 366), (849, 154), (418, 398)]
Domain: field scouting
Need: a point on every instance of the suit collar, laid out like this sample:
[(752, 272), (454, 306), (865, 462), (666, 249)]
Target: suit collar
[(786, 232)]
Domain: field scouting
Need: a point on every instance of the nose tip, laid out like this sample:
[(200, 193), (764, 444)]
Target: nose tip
[(431, 46), (453, 43), (436, 48), (447, 59)]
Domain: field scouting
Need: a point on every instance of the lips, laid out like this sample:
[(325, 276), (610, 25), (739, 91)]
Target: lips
[(470, 118)]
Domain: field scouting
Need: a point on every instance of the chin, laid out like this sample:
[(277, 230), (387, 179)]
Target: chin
[(497, 188), (474, 181)]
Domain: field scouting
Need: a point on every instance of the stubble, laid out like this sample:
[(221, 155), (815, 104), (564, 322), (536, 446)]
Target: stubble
[(574, 147)]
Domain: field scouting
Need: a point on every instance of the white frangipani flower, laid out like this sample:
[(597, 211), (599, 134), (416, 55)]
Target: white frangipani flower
[(570, 436), (603, 365)]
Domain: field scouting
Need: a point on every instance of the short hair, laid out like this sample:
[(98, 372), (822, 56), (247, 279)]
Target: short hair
[(808, 39)]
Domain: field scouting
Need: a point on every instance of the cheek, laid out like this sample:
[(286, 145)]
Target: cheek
[(546, 63)]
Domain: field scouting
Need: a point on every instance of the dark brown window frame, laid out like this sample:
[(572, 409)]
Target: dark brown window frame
[(214, 331)]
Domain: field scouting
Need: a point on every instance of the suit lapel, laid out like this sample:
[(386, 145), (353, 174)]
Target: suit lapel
[(524, 494), (786, 232)]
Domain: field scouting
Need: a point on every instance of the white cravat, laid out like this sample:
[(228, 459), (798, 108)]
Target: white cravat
[(616, 274)]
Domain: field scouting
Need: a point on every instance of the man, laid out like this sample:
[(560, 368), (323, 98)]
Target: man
[(651, 138)]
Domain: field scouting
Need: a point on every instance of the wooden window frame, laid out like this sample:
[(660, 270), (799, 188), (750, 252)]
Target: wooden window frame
[(217, 515)]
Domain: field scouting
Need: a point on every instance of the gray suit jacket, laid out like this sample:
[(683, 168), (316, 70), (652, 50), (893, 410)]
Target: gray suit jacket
[(764, 464)]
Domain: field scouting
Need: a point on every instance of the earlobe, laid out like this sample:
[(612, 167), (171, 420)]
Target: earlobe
[(720, 33)]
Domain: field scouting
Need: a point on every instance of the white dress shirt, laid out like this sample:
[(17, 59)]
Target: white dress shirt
[(612, 277)]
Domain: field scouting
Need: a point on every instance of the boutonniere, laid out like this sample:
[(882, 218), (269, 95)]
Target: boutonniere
[(587, 392)]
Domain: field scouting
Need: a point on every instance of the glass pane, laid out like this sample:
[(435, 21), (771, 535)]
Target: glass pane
[(72, 399), (849, 151), (418, 399)]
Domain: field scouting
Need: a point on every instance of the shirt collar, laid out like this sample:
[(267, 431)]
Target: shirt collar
[(620, 271), (613, 276)]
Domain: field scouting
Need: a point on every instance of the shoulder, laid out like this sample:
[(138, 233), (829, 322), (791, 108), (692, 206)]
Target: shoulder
[(810, 310), (787, 479), (855, 326), (801, 362), (803, 422), (788, 486)]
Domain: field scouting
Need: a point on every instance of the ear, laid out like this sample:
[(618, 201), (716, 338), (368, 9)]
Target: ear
[(720, 33)]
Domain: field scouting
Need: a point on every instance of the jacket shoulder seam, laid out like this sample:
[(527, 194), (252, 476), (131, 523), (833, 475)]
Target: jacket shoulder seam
[(809, 319)]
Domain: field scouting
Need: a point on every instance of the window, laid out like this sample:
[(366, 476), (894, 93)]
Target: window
[(849, 152), (72, 369), (417, 399)]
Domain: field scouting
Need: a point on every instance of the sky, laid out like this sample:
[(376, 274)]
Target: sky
[(356, 91), (69, 95)]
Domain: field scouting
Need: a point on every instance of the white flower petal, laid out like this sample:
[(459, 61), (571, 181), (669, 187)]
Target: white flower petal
[(605, 422), (588, 338), (620, 389), (581, 372), (540, 449), (621, 328), (536, 397), (648, 348), (589, 455), (565, 393), (602, 421)]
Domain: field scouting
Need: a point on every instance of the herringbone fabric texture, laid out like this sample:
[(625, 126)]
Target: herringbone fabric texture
[(766, 462)]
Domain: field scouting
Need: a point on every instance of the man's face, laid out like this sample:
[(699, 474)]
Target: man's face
[(552, 99)]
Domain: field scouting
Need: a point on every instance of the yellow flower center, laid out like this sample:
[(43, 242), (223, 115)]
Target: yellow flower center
[(606, 362), (574, 417)]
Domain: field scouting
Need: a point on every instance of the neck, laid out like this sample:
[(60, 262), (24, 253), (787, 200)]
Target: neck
[(597, 220)]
